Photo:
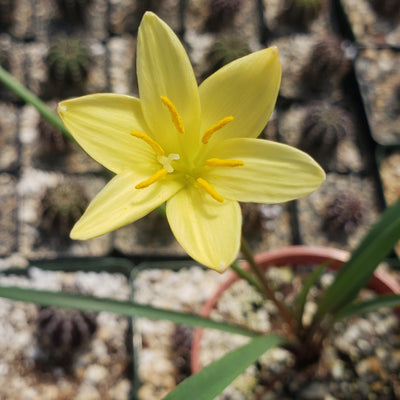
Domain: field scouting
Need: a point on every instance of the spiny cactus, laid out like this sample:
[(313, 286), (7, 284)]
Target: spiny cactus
[(61, 208), (73, 11), (300, 12), (226, 49), (343, 213), (323, 126), (222, 12), (62, 332), (327, 62), (181, 345), (68, 61)]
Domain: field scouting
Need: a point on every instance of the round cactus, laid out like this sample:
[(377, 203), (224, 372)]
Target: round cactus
[(328, 62), (323, 126), (222, 12), (62, 332), (181, 346), (226, 7), (73, 11), (300, 12), (68, 61), (225, 50), (343, 213), (61, 208)]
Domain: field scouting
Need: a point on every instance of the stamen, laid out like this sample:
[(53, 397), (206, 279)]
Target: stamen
[(209, 189), (212, 129), (156, 177), (176, 118), (217, 162), (156, 147)]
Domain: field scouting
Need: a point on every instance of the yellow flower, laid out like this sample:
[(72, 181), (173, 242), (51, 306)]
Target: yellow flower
[(194, 148)]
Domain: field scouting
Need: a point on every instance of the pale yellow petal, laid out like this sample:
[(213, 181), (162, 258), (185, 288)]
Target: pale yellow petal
[(164, 69), (246, 89), (209, 231), (272, 172), (101, 124), (119, 204)]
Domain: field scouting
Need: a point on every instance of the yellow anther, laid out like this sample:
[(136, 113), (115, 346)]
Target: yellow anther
[(156, 147), (209, 189), (156, 177), (217, 162), (176, 118), (216, 127)]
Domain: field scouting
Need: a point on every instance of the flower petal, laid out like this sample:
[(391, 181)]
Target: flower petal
[(101, 124), (272, 172), (119, 204), (246, 89), (164, 69), (209, 231)]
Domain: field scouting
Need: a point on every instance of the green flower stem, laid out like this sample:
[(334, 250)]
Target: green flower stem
[(11, 83), (266, 288), (249, 277)]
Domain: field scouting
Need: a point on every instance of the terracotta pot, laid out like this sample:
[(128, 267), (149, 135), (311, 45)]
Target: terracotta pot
[(294, 256)]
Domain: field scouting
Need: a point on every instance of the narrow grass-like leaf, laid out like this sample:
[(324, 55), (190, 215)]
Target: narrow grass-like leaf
[(128, 308), (308, 284), (356, 273), (388, 300), (215, 377), (11, 83)]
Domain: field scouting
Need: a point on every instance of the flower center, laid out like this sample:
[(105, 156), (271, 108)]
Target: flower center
[(166, 161)]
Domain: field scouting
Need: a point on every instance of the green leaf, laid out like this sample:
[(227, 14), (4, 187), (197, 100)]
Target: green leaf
[(388, 300), (215, 377), (308, 284), (356, 273), (128, 308)]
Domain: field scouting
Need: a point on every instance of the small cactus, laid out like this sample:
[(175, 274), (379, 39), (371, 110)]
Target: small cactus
[(62, 332), (225, 50), (323, 126), (181, 345), (61, 208), (328, 62), (222, 12), (300, 12), (68, 61), (73, 11), (343, 213)]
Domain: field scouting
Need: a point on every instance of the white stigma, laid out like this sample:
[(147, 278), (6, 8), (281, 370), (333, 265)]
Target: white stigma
[(166, 161)]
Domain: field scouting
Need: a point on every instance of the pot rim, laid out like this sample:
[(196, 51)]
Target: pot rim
[(381, 282)]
